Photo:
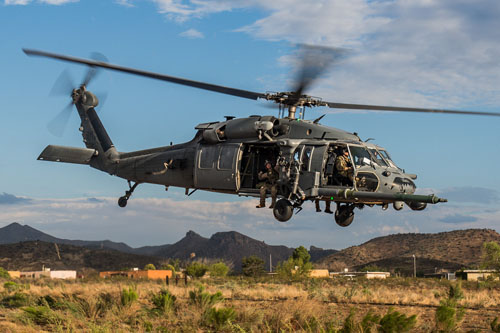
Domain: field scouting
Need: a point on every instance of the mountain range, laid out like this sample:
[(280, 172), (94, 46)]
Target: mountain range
[(229, 246), (446, 250)]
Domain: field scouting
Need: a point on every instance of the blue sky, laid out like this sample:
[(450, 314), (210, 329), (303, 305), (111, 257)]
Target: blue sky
[(411, 53)]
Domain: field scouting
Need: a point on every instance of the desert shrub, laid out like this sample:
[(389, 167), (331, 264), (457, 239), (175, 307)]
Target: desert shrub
[(4, 274), (149, 267), (164, 301), (91, 308), (449, 314), (218, 269), (11, 286), (16, 300), (252, 266), (127, 297), (372, 268), (393, 321), (204, 300), (495, 325), (50, 302), (41, 315), (221, 317), (196, 269)]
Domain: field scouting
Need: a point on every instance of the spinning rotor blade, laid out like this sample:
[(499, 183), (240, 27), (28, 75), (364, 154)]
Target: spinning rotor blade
[(63, 86), (93, 70), (58, 124), (404, 109), (186, 82), (315, 60)]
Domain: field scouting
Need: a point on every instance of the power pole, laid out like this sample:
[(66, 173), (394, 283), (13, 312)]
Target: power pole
[(270, 263), (414, 266)]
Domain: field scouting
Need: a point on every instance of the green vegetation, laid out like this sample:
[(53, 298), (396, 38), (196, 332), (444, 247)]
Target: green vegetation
[(449, 314), (149, 267), (4, 274), (491, 256), (164, 301), (128, 296), (495, 325), (219, 269), (391, 322), (196, 269), (297, 266), (252, 266)]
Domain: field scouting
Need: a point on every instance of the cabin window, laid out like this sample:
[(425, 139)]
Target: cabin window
[(226, 158), (208, 155), (306, 158)]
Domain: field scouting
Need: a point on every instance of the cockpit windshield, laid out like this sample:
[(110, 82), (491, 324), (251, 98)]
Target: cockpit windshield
[(361, 156), (378, 158), (387, 157)]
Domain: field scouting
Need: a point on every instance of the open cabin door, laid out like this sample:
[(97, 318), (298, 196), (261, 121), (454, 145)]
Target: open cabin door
[(216, 167)]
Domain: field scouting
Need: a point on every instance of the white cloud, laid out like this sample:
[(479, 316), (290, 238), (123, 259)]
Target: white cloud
[(49, 2), (17, 2), (126, 3), (416, 53), (192, 33), (154, 221)]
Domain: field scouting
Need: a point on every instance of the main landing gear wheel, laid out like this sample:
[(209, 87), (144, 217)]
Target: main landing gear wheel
[(283, 210), (344, 215), (122, 201)]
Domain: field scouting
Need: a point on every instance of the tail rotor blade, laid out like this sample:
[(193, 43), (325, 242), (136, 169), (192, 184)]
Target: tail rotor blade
[(59, 123), (93, 71), (63, 86)]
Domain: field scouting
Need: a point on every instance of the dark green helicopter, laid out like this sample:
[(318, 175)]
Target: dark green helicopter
[(226, 156)]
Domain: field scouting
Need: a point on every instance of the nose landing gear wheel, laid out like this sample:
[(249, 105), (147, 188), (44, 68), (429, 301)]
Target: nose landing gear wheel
[(344, 215), (283, 210)]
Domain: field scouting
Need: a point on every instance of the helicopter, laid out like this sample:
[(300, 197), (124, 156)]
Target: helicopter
[(227, 156)]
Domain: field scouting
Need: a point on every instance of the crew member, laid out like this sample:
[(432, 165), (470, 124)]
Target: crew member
[(269, 179), (344, 167)]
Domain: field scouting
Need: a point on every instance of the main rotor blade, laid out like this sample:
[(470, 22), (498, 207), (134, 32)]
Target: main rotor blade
[(92, 72), (404, 109), (315, 60), (186, 82)]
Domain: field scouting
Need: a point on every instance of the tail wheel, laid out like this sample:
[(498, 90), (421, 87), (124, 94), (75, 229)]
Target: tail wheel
[(283, 210), (122, 201)]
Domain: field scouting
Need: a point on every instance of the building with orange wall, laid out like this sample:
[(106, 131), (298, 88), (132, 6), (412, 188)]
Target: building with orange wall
[(156, 274)]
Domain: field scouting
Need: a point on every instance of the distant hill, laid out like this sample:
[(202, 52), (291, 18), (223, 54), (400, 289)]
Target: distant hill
[(454, 249), (229, 246), (33, 255), (15, 232)]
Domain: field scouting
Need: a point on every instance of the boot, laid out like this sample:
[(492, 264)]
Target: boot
[(262, 203), (327, 209), (273, 203), (316, 202)]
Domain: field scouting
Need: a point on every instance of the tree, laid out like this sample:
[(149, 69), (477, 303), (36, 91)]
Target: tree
[(218, 269), (297, 266), (491, 256), (196, 269), (252, 266), (301, 253), (149, 267)]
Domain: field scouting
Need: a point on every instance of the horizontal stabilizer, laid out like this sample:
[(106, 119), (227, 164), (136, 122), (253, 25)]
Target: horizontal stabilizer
[(67, 154)]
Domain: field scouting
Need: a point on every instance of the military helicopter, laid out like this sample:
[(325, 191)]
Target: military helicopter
[(226, 156)]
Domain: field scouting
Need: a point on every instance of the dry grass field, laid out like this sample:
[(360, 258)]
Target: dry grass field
[(237, 304)]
